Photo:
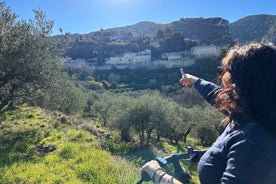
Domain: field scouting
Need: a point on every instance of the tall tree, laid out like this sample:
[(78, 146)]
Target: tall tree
[(147, 113), (29, 60)]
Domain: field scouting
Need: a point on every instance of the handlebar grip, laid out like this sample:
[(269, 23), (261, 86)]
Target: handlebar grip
[(144, 177), (140, 181), (180, 174)]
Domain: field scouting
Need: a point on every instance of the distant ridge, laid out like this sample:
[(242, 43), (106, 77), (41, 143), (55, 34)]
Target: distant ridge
[(140, 28), (254, 28), (175, 36), (246, 29)]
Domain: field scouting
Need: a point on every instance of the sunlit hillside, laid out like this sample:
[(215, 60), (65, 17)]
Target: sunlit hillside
[(44, 147)]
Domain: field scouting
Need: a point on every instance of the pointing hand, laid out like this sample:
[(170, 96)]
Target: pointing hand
[(187, 79)]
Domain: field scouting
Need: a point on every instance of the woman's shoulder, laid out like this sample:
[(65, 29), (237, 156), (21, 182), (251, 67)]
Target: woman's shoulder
[(254, 133), (251, 133)]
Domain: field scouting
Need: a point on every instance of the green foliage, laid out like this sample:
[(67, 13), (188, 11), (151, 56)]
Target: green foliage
[(173, 42), (78, 136), (187, 97), (150, 117), (116, 146), (20, 134), (75, 157), (63, 96), (142, 114), (94, 85), (23, 50), (207, 135), (26, 46), (101, 108), (66, 152), (207, 121)]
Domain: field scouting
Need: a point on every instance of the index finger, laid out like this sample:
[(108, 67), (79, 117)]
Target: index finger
[(182, 71)]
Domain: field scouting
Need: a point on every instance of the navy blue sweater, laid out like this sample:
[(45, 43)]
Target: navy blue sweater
[(245, 155)]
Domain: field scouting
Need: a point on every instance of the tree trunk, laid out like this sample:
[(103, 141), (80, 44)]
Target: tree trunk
[(142, 137), (187, 133)]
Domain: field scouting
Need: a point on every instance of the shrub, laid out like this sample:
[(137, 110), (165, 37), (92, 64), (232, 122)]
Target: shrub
[(66, 152), (207, 135), (118, 147)]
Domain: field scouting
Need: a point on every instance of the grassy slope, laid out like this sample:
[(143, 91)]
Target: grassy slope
[(41, 147), (37, 146)]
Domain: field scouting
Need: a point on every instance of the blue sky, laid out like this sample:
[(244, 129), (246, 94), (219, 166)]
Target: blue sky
[(84, 16)]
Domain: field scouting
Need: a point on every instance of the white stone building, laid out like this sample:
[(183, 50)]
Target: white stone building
[(205, 51), (130, 58)]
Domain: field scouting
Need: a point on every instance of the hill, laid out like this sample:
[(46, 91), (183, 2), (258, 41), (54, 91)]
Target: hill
[(160, 38), (202, 29), (205, 30), (168, 46), (254, 28), (39, 146), (140, 28), (249, 28)]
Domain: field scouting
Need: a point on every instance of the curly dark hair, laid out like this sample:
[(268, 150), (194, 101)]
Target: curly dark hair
[(249, 85)]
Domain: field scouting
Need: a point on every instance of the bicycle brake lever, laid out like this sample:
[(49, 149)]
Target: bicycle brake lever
[(162, 162)]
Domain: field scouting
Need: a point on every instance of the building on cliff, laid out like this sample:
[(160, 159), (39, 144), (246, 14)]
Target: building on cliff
[(130, 58)]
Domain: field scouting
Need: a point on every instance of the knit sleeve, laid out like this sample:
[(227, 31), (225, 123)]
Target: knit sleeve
[(207, 89)]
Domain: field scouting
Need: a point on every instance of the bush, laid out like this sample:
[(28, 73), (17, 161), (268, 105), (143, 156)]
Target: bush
[(118, 147), (207, 135), (207, 124), (26, 46), (66, 152)]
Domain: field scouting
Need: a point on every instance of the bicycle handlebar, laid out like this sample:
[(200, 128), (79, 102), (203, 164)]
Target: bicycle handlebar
[(180, 174), (144, 177)]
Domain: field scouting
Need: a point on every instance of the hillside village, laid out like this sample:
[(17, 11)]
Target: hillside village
[(143, 59), (148, 55), (151, 45)]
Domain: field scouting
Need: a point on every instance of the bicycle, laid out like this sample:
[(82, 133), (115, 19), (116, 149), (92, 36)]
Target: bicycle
[(192, 156)]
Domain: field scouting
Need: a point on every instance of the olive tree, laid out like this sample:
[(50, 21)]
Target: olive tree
[(30, 64), (119, 115), (101, 108), (207, 124), (143, 116)]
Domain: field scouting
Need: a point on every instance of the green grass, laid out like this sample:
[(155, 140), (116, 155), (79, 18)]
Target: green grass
[(37, 147)]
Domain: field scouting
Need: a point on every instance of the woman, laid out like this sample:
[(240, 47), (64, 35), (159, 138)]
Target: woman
[(246, 151)]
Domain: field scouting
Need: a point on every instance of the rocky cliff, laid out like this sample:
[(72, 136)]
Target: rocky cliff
[(207, 31), (254, 28)]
